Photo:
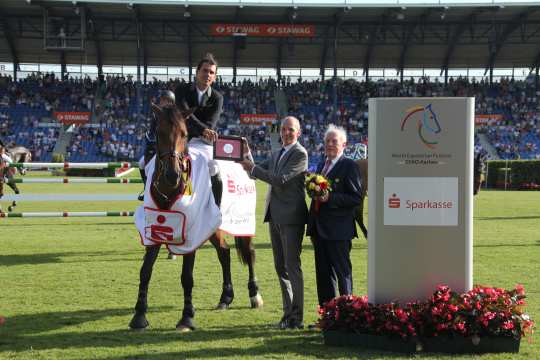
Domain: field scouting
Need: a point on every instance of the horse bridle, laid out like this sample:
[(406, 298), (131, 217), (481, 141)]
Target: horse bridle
[(183, 162)]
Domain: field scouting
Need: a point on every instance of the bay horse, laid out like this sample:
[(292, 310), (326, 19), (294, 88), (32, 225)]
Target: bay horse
[(363, 165), (478, 176), (167, 183)]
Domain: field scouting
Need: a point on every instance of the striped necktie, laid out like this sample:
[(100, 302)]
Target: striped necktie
[(326, 167)]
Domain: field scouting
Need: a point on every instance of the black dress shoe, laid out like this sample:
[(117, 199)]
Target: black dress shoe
[(282, 324)]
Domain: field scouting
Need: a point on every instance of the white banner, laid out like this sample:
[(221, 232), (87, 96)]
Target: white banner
[(425, 201), (239, 200)]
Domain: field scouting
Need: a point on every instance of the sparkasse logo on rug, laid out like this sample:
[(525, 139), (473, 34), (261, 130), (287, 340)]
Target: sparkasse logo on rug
[(426, 201)]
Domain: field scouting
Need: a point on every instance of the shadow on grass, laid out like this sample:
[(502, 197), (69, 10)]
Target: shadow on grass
[(537, 243), (21, 332), (507, 217), (283, 345), (63, 257)]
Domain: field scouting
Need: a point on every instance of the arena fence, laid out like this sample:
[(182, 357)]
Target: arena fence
[(77, 181), (65, 180), (68, 165), (67, 214)]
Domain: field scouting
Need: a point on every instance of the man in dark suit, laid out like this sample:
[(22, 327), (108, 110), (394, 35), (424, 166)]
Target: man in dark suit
[(201, 125), (332, 226), (286, 213)]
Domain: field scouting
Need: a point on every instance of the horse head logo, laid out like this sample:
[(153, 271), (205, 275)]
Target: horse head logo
[(427, 121)]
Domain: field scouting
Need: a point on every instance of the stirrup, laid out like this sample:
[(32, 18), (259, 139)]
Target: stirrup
[(141, 196)]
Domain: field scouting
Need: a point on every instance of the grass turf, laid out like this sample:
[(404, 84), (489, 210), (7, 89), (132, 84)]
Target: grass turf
[(68, 286)]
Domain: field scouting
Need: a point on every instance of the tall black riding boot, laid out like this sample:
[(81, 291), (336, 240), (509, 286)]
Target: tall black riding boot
[(217, 188), (143, 177)]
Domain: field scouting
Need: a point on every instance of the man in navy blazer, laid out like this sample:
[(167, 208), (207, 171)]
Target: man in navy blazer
[(332, 226)]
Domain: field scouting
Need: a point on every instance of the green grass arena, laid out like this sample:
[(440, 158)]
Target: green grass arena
[(68, 285)]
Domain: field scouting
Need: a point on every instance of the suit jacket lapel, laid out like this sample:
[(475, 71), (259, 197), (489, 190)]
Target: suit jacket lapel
[(284, 158), (336, 166), (194, 96), (274, 161)]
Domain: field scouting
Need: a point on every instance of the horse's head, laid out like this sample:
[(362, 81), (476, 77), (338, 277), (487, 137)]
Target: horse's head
[(172, 137)]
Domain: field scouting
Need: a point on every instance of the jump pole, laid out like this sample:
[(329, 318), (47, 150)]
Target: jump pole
[(66, 214), (77, 181), (68, 165)]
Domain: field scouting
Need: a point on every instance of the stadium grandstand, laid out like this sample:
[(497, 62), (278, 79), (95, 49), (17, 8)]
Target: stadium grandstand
[(77, 77)]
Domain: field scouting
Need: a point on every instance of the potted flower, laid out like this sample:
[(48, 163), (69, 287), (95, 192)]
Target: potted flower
[(482, 320)]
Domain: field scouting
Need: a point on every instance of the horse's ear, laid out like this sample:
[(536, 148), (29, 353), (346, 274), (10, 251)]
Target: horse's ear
[(157, 110)]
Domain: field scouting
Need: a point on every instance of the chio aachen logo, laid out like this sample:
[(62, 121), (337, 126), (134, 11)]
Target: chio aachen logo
[(427, 122)]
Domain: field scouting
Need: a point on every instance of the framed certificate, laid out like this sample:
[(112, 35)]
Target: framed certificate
[(229, 148)]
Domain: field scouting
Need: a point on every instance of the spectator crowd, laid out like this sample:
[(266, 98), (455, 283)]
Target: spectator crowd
[(120, 112)]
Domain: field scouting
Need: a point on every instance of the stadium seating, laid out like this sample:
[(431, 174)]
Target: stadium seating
[(119, 120)]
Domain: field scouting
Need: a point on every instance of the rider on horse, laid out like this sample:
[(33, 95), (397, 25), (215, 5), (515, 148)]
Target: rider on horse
[(208, 105)]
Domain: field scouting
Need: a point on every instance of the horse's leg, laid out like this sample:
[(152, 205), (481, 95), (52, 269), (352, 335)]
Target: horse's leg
[(22, 159), (224, 256), (139, 322), (186, 323), (245, 249), (11, 182), (359, 217)]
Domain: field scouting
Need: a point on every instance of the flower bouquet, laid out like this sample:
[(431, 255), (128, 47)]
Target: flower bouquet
[(317, 186), (440, 323)]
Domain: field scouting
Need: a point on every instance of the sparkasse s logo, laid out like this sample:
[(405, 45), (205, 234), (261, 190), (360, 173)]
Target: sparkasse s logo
[(394, 202), (427, 120)]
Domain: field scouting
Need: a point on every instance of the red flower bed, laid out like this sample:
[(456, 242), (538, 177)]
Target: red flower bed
[(481, 312)]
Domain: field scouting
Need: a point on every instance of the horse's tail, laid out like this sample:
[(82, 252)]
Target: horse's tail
[(244, 249)]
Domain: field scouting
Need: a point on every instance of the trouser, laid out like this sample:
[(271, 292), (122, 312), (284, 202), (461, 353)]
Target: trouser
[(286, 247), (333, 268)]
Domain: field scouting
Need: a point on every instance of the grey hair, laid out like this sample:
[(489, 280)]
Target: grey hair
[(338, 130), (294, 119)]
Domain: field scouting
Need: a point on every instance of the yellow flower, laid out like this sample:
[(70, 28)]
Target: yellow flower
[(311, 186), (319, 179)]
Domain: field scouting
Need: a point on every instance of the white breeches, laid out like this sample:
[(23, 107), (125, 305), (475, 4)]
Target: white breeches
[(208, 152)]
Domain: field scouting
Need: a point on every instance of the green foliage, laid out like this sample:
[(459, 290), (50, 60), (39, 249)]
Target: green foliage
[(518, 172), (68, 286), (58, 158)]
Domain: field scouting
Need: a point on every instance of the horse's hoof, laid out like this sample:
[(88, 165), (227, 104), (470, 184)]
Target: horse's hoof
[(14, 203), (10, 208), (184, 329), (171, 256), (185, 324), (138, 322), (256, 301), (222, 306)]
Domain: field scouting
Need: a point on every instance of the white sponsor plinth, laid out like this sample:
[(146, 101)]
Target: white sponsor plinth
[(420, 196)]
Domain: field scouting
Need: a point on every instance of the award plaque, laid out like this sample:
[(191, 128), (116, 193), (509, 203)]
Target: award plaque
[(229, 148)]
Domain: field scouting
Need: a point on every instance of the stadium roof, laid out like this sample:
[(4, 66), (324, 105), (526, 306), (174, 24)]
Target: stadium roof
[(362, 35)]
